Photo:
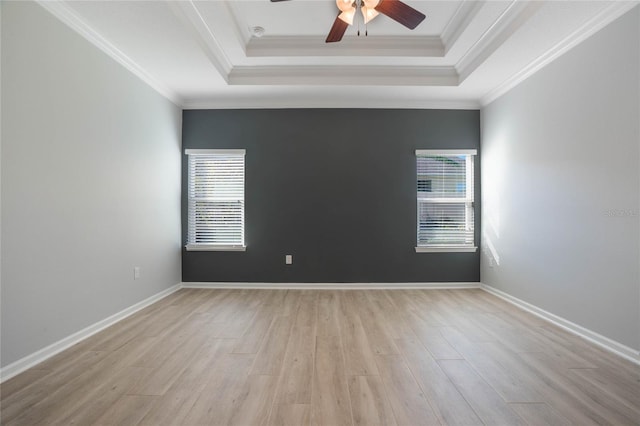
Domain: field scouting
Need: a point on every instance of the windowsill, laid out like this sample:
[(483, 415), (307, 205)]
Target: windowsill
[(214, 247), (447, 249)]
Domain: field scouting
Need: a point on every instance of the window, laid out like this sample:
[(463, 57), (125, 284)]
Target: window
[(445, 200), (216, 199)]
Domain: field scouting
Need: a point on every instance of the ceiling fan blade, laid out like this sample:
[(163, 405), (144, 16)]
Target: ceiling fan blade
[(273, 1), (337, 30), (401, 12)]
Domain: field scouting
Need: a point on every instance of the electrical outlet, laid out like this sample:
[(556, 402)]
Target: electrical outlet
[(288, 259), (136, 272)]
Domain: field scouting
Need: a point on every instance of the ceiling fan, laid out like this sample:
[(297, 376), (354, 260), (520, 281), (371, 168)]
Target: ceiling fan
[(394, 9)]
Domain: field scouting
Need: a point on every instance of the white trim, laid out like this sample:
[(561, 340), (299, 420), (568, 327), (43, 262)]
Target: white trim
[(215, 151), (466, 12), (450, 249), (41, 355), (612, 12), (222, 101), (331, 286), (187, 13), (617, 348), (65, 14), (351, 75), (507, 24), (446, 152), (214, 247), (350, 46)]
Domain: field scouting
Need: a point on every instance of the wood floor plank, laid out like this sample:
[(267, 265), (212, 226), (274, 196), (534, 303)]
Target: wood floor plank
[(331, 403), (213, 299), (486, 402), (596, 411), (271, 354), (290, 415), (165, 346), (623, 389), (238, 323), (297, 372), (359, 357), (386, 308), (506, 382), (465, 322), (539, 414), (409, 404), (593, 355), (251, 340), (81, 399), (160, 379), (253, 406), (591, 382), (253, 336), (95, 401), (554, 392), (128, 410), (448, 404), (328, 310), (25, 399), (432, 339), (290, 302), (215, 401), (378, 334), (369, 401), (175, 405), (307, 312), (22, 380)]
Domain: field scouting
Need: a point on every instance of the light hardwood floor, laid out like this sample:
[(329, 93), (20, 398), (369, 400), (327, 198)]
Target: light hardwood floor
[(297, 357)]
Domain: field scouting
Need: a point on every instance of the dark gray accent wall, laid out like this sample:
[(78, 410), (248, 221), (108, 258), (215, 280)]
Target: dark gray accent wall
[(336, 188)]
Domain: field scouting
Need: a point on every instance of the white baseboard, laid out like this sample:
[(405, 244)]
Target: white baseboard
[(35, 358), (593, 337), (329, 286)]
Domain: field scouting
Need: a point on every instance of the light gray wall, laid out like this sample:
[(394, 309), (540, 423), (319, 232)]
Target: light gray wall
[(90, 184), (561, 185)]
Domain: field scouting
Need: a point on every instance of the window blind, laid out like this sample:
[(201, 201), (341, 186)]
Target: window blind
[(445, 198), (216, 199)]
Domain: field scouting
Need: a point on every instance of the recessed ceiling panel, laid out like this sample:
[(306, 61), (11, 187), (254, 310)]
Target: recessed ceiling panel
[(207, 54), (315, 17)]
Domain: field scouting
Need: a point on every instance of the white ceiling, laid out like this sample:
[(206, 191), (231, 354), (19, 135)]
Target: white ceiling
[(201, 54)]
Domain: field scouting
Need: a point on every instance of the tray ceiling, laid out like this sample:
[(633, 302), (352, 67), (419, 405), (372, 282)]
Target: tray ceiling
[(204, 54)]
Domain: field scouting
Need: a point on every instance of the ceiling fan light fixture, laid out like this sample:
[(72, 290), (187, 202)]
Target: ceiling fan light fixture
[(345, 5), (368, 14), (347, 16), (370, 4)]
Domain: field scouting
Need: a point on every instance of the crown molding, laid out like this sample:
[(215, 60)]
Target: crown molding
[(360, 75), (189, 15), (612, 12), (504, 27), (459, 22), (351, 46), (291, 102), (242, 34), (66, 15)]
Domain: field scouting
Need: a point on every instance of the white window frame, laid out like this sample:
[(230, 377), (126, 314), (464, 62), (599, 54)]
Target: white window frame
[(191, 209), (468, 201)]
